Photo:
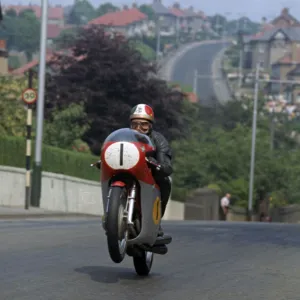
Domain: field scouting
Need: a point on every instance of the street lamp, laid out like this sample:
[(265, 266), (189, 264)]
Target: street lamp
[(37, 169)]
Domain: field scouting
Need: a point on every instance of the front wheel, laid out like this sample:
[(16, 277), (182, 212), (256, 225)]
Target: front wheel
[(143, 264), (115, 224)]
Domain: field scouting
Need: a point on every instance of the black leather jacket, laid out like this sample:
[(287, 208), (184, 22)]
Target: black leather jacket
[(163, 154)]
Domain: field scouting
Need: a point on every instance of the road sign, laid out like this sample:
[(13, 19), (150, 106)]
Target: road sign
[(29, 96)]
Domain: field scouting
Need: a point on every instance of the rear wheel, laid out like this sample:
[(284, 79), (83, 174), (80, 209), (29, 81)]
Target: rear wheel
[(115, 224), (143, 264)]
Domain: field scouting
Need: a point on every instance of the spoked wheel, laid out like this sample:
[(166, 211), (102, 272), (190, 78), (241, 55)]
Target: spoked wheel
[(143, 264), (116, 227)]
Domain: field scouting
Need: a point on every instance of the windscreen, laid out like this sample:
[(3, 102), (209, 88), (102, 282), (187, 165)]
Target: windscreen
[(129, 135)]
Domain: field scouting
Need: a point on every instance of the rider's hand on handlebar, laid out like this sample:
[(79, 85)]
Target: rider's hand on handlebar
[(153, 162)]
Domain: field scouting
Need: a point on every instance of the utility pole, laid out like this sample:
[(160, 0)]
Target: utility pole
[(252, 163), (241, 55), (195, 82), (158, 37), (37, 169)]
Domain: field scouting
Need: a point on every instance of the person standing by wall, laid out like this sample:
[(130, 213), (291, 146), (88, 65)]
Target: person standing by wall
[(225, 202)]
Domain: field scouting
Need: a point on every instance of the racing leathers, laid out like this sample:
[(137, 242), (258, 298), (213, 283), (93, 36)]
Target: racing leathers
[(163, 157)]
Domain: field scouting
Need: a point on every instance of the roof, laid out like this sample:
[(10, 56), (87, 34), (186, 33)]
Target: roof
[(190, 12), (30, 65), (177, 12), (286, 16), (53, 31), (295, 72), (288, 59), (120, 18), (291, 33), (54, 13)]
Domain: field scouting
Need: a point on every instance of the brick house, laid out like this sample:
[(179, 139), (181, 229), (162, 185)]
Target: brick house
[(273, 42), (287, 68)]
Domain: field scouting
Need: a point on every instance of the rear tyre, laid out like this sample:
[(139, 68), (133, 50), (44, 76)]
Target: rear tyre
[(144, 263), (116, 226)]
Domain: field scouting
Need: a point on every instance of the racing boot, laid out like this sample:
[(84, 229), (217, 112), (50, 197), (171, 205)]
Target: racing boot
[(160, 231)]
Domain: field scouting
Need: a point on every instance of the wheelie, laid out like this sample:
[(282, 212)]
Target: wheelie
[(135, 168)]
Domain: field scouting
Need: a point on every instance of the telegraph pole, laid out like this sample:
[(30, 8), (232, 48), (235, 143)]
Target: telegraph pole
[(195, 82), (252, 163), (37, 170), (158, 26)]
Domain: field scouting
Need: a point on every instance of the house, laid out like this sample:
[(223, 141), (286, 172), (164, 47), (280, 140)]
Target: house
[(129, 21), (188, 20), (168, 22), (272, 42), (285, 19), (287, 68), (269, 46), (55, 14)]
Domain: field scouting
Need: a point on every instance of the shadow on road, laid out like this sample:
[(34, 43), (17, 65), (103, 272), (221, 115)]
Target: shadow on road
[(105, 274)]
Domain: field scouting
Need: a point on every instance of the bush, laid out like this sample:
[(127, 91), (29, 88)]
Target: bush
[(54, 160)]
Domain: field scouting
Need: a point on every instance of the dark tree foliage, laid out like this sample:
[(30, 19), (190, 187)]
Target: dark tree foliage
[(110, 77)]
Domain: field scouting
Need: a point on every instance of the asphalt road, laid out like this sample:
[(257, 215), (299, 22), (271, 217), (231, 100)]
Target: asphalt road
[(68, 259), (200, 58)]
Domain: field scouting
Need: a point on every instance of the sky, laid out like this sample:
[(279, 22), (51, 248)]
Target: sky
[(254, 9)]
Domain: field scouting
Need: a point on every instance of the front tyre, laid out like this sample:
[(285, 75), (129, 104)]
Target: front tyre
[(116, 226), (143, 264)]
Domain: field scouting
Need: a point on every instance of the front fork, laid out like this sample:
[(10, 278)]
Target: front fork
[(129, 209)]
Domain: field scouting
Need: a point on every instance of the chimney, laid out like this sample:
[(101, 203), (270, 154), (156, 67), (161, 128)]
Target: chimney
[(3, 58), (285, 11), (176, 5), (134, 5)]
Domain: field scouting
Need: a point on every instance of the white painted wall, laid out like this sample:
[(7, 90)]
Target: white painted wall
[(64, 194)]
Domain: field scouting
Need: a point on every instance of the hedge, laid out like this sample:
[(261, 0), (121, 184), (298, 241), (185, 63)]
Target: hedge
[(54, 160)]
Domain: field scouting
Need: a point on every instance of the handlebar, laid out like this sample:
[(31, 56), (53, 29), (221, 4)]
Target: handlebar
[(97, 164), (158, 166)]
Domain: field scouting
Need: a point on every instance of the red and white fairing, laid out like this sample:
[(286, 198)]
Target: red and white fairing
[(123, 156)]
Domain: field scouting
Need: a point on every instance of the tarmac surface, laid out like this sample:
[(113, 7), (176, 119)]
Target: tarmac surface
[(210, 85), (68, 259)]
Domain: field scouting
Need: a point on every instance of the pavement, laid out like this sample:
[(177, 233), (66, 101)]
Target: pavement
[(68, 260), (206, 58), (35, 212)]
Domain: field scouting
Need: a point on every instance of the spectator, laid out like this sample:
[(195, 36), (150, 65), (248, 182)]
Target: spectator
[(225, 202)]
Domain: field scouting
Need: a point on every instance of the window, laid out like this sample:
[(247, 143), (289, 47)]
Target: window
[(261, 48)]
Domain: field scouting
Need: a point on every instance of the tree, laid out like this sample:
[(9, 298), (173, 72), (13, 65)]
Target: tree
[(65, 127), (217, 152), (66, 38), (12, 109), (22, 32), (105, 8), (148, 11), (110, 77), (82, 12)]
